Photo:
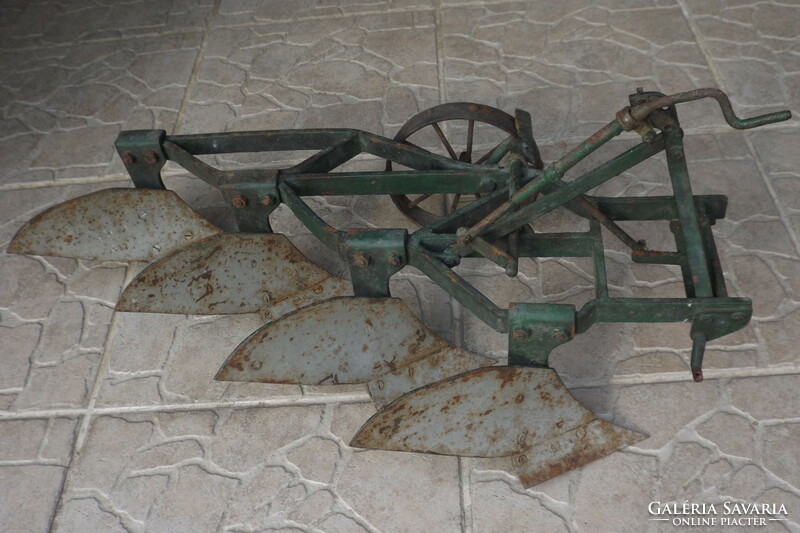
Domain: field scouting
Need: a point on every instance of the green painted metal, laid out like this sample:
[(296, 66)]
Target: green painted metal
[(507, 199), (440, 399)]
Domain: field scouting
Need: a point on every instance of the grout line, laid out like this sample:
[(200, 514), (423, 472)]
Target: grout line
[(784, 216), (465, 493), (60, 183), (701, 43), (279, 401), (364, 397), (437, 31), (684, 377), (160, 32), (130, 272), (195, 68)]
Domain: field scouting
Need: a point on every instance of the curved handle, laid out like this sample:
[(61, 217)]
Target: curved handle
[(640, 112)]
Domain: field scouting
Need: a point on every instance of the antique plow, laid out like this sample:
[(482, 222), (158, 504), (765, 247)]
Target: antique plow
[(432, 396)]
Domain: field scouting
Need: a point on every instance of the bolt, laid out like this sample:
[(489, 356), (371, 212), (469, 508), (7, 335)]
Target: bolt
[(360, 260), (522, 459), (267, 200), (394, 259), (255, 365), (238, 201), (519, 335), (128, 158), (151, 157), (317, 289)]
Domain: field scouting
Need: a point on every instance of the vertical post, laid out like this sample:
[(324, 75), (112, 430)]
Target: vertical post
[(696, 259), (599, 258)]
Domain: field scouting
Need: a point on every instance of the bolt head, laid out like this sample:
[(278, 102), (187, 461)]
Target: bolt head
[(360, 260), (238, 201), (519, 334), (151, 157), (267, 200), (394, 259), (128, 158)]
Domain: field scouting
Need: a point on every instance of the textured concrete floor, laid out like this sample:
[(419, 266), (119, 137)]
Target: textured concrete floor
[(111, 422)]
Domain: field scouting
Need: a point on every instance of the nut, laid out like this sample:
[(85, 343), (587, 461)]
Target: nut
[(360, 260), (238, 201), (519, 334)]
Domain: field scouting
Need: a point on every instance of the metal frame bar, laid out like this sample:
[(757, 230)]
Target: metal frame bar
[(495, 226)]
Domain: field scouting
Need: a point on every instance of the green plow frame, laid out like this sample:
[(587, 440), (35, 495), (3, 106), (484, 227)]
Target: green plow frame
[(432, 396)]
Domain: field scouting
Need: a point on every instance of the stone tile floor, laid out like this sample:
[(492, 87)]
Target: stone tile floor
[(111, 422)]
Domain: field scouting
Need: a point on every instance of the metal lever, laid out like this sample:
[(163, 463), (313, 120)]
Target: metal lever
[(640, 112)]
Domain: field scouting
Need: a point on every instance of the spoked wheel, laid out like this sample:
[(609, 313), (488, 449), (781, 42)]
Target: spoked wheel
[(485, 126)]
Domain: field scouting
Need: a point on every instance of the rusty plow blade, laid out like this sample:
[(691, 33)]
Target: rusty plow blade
[(114, 225), (509, 411), (385, 346), (231, 273)]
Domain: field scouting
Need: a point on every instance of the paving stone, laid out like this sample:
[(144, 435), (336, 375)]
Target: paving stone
[(30, 496), (557, 67), (494, 502), (751, 48), (71, 101), (429, 484), (663, 409), (287, 85), (597, 503), (779, 440), (766, 398), (177, 360)]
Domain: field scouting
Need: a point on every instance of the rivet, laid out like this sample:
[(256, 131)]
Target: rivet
[(519, 335), (380, 384), (555, 446), (238, 201), (522, 459), (188, 235), (360, 259), (255, 365), (267, 200), (128, 158), (394, 259), (151, 157), (317, 289)]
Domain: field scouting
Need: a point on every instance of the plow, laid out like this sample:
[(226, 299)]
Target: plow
[(468, 203)]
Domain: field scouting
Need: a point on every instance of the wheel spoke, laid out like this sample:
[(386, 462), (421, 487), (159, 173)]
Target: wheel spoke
[(454, 205), (470, 135), (491, 153), (416, 201), (446, 144)]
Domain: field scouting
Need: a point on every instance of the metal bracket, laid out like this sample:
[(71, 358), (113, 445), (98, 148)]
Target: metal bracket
[(143, 156), (253, 200), (374, 256), (536, 329)]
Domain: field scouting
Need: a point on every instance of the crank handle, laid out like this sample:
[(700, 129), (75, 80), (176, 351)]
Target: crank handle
[(641, 111)]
